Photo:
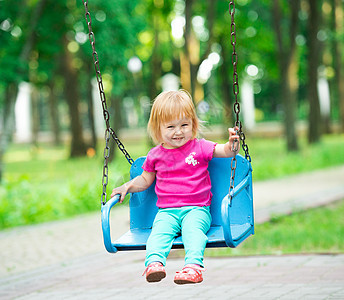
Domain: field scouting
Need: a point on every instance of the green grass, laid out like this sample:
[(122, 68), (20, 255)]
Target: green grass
[(319, 230), (42, 184), (271, 160)]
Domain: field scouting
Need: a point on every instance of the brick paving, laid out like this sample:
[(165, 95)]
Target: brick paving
[(66, 259), (102, 275)]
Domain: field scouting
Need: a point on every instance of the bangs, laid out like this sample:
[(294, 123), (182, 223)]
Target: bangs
[(174, 108)]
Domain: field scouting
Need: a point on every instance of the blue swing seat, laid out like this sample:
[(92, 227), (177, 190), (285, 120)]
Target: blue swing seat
[(232, 220)]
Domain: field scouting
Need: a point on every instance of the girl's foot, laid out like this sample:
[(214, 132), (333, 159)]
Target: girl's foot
[(155, 272), (189, 274)]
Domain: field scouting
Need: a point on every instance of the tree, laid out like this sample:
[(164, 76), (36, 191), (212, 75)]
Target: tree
[(227, 90), (54, 116), (288, 64), (337, 52), (192, 48), (89, 97), (48, 50), (314, 20), (78, 147), (56, 57)]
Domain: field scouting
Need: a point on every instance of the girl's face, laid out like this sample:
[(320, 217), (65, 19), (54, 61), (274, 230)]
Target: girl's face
[(176, 133)]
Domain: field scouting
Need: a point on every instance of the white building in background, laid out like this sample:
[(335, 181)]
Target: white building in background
[(22, 114), (247, 104), (324, 97), (99, 122), (324, 94)]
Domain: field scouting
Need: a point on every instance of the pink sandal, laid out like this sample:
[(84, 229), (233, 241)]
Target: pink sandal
[(155, 272), (189, 274)]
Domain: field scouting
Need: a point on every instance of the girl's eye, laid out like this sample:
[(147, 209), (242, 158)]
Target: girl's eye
[(170, 127), (185, 125)]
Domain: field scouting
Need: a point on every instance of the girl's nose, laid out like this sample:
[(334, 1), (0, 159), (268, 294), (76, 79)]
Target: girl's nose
[(178, 130)]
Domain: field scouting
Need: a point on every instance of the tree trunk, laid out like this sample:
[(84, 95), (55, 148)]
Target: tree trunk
[(289, 99), (155, 61), (314, 129), (8, 123), (78, 147), (288, 70), (35, 115), (91, 109), (187, 38), (192, 56), (54, 115), (337, 28), (227, 90), (340, 73), (116, 124)]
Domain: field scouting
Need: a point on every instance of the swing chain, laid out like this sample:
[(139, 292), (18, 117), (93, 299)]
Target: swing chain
[(236, 104), (231, 182), (105, 168), (236, 81), (109, 132), (121, 146)]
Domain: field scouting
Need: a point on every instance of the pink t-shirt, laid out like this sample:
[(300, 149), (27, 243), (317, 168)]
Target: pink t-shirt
[(182, 177)]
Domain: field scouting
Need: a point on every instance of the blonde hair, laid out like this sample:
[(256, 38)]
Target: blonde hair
[(170, 106)]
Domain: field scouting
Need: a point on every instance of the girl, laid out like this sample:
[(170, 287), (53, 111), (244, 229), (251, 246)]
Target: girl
[(179, 165)]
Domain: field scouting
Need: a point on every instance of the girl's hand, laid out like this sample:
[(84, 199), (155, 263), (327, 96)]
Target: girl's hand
[(122, 191), (234, 139), (229, 149)]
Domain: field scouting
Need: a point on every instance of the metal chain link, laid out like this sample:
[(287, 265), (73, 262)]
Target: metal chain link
[(109, 132), (105, 177), (236, 93)]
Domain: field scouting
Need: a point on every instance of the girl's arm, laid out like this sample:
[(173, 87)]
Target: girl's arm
[(138, 184), (226, 150)]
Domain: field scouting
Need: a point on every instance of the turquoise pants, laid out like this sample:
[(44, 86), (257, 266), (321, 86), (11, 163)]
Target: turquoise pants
[(192, 222)]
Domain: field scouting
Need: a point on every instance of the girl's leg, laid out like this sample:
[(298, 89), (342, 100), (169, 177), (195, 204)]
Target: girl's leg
[(195, 226), (165, 228)]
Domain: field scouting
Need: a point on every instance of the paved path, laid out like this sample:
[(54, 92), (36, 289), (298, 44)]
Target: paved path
[(102, 276), (67, 260)]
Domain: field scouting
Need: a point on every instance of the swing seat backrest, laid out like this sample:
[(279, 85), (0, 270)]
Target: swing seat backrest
[(232, 221)]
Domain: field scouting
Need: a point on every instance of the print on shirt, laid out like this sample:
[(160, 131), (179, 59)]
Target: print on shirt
[(191, 159)]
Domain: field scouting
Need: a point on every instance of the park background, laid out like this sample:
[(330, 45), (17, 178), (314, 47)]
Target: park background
[(291, 78)]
